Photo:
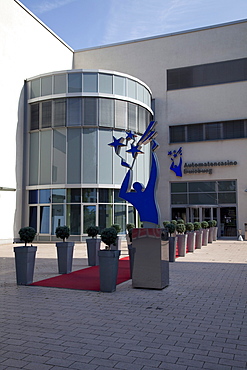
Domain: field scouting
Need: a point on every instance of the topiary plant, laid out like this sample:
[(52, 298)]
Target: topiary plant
[(180, 228), (171, 228), (27, 234), (180, 221), (117, 227), (129, 227), (62, 232), (204, 224), (211, 223), (109, 236), (214, 223), (92, 231), (197, 226), (189, 226), (174, 222), (166, 223)]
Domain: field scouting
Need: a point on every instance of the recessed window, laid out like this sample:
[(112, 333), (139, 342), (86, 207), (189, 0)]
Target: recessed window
[(60, 84), (90, 82), (46, 85), (74, 82), (105, 83)]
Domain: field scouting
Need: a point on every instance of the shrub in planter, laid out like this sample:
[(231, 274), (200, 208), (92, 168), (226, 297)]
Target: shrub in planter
[(191, 236), (171, 228), (27, 234), (174, 222), (108, 261), (65, 250), (117, 243), (165, 223), (62, 232), (93, 245), (180, 221), (109, 236), (92, 231), (197, 226), (204, 225), (117, 227), (180, 228), (212, 232), (25, 257)]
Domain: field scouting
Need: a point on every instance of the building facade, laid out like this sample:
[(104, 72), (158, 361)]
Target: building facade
[(192, 83)]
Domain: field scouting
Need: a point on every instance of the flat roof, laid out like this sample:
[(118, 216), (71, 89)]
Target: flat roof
[(164, 35)]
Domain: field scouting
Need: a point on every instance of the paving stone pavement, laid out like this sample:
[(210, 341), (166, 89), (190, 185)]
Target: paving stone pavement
[(198, 322)]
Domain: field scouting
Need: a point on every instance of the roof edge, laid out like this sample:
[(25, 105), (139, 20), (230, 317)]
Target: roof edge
[(43, 24), (164, 35)]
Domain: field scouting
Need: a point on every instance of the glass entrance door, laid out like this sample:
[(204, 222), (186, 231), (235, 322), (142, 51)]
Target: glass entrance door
[(228, 224)]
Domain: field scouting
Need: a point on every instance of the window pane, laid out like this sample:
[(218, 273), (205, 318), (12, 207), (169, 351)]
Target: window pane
[(105, 196), (89, 195), (105, 216), (141, 120), (119, 85), (45, 196), (74, 218), (34, 158), (58, 217), (59, 156), (58, 196), (213, 131), (74, 156), (132, 116), (195, 132), (33, 217), (105, 157), (89, 217), (131, 88), (45, 157), (233, 129), (140, 92), (179, 199), (203, 198), (117, 199), (177, 134), (74, 111), (74, 82), (90, 153), (74, 195), (131, 215), (46, 114), (60, 112), (120, 216), (120, 114), (227, 198), (202, 186), (106, 112), (35, 88), (34, 112), (60, 84), (33, 196), (44, 220), (179, 187), (227, 185), (90, 111), (105, 83), (90, 82), (46, 85)]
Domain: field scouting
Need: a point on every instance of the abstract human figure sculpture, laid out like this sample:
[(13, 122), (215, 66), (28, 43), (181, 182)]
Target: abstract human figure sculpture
[(143, 199)]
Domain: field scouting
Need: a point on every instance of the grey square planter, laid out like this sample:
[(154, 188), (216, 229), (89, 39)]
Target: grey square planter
[(205, 233), (93, 246), (65, 252), (24, 264), (151, 266), (191, 241), (108, 269), (172, 248), (198, 239), (182, 244)]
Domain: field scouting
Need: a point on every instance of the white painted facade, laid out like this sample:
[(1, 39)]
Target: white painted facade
[(28, 48)]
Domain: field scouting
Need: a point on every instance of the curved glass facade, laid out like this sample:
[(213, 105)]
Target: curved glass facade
[(74, 176)]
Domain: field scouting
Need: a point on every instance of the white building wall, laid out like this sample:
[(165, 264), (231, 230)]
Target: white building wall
[(27, 48), (149, 60)]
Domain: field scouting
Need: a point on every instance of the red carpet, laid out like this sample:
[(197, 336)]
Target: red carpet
[(85, 279)]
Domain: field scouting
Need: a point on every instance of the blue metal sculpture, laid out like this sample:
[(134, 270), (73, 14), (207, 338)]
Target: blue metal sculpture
[(143, 199), (177, 168)]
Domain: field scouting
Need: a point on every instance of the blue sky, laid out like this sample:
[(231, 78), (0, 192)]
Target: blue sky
[(88, 23)]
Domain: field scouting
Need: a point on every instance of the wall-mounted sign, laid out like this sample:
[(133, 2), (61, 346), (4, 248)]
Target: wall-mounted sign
[(194, 167)]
